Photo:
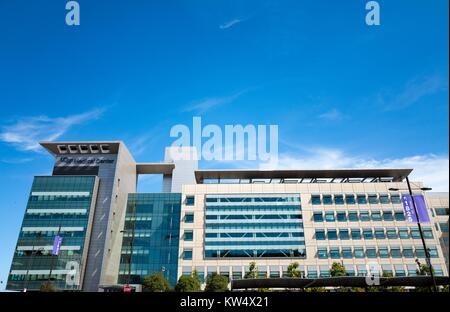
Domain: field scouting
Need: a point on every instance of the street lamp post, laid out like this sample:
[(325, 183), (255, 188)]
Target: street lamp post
[(427, 254)]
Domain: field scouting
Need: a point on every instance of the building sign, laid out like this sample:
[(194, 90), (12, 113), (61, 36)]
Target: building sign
[(85, 160), (57, 245), (410, 213)]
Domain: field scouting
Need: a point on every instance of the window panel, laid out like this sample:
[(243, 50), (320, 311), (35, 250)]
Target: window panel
[(339, 199), (350, 199), (361, 198)]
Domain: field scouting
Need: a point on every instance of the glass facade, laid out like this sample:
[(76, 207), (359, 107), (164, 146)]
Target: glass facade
[(256, 225), (151, 237), (57, 205)]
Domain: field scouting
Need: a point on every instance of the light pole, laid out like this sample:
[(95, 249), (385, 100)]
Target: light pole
[(427, 254)]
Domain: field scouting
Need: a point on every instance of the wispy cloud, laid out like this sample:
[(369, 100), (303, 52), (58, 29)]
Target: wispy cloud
[(203, 105), (332, 115), (413, 91), (231, 23), (16, 161), (25, 133), (430, 169)]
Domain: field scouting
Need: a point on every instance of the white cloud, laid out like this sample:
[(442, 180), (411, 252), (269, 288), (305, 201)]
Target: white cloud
[(413, 91), (430, 169), (16, 161), (230, 23), (26, 132), (332, 115), (206, 104)]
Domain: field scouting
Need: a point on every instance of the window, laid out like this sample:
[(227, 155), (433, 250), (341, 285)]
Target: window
[(415, 233), (367, 233), (188, 235), (433, 252), (376, 216), (395, 199), (373, 199), (441, 211), (327, 199), (334, 253), (320, 234), (361, 198), (364, 216), (395, 252), (403, 233), (443, 226), (190, 200), (339, 199), (322, 253), (315, 199), (400, 270), (384, 199), (391, 233), (359, 252), (187, 254), (399, 216), (312, 272), (343, 234), (350, 199), (420, 252), (329, 216), (353, 216), (347, 253), (340, 216), (371, 252), (189, 218), (332, 234), (318, 217), (408, 252), (428, 233), (356, 234), (383, 252), (387, 215), (379, 233)]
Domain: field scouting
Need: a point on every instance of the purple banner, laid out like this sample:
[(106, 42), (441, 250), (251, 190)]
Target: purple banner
[(56, 245), (409, 211)]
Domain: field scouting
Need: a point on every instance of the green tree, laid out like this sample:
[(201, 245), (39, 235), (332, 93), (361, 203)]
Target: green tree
[(424, 270), (216, 283), (156, 283), (316, 289), (338, 269), (188, 283), (47, 287), (252, 271), (292, 270)]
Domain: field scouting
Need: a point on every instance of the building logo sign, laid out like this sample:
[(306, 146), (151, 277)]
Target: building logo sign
[(85, 161), (410, 213)]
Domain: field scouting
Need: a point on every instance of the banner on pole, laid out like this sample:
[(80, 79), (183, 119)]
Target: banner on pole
[(57, 245), (410, 213)]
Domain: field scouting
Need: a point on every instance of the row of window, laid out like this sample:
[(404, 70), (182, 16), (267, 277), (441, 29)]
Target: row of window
[(310, 272), (374, 252), (354, 216), (377, 233), (351, 199)]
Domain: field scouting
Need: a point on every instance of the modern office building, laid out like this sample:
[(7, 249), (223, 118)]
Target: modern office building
[(213, 221)]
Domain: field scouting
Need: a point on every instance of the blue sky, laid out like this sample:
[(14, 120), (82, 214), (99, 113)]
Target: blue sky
[(343, 94)]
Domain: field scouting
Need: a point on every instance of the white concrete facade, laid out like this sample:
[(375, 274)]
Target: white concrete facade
[(229, 265)]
